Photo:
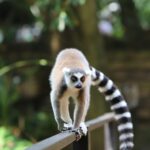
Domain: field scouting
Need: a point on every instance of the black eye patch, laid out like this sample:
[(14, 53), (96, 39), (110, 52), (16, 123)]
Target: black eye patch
[(82, 78), (74, 78)]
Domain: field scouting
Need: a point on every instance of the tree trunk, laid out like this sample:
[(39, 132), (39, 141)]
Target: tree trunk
[(92, 45), (90, 38), (130, 22)]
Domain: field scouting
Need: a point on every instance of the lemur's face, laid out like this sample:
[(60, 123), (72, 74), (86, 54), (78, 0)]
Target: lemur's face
[(75, 78)]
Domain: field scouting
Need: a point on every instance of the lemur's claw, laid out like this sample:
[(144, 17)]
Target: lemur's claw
[(78, 133)]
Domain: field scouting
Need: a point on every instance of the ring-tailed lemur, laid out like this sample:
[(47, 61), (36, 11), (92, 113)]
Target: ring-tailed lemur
[(71, 76)]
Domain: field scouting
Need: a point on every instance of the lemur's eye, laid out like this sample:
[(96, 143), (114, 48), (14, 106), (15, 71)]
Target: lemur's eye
[(74, 78), (82, 78)]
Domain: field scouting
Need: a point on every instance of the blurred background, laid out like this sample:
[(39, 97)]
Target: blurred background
[(113, 34)]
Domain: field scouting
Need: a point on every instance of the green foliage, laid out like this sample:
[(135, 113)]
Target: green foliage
[(42, 123), (143, 8), (118, 31), (7, 68), (8, 95), (56, 15), (109, 12), (8, 141), (59, 15), (77, 2)]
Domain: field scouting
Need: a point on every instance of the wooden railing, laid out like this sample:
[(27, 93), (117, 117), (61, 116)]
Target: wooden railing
[(61, 140)]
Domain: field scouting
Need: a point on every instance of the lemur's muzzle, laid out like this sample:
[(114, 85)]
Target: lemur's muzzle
[(79, 86)]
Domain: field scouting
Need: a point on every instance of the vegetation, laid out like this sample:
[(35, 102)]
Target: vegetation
[(9, 141)]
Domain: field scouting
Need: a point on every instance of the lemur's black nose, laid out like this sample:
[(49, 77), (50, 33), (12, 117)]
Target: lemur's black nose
[(78, 86)]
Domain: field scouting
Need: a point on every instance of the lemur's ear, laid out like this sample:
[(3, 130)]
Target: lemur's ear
[(66, 70), (88, 72)]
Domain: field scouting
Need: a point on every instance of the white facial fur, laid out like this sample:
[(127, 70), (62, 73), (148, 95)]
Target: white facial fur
[(67, 74), (66, 70), (78, 75)]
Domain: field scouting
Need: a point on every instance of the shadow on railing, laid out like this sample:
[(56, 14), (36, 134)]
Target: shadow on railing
[(62, 140)]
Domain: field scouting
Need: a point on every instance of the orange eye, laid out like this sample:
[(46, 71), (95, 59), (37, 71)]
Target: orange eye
[(82, 78)]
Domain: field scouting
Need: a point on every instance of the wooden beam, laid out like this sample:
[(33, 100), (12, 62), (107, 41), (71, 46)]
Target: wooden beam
[(62, 140)]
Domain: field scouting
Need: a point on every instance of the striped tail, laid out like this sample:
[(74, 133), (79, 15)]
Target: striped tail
[(118, 105)]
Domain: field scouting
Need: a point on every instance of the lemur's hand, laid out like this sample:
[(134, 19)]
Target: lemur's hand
[(68, 126), (61, 124), (64, 126), (78, 134), (83, 129)]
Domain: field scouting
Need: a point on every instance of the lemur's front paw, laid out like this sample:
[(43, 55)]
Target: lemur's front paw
[(78, 134), (68, 126), (83, 129), (61, 124), (64, 126)]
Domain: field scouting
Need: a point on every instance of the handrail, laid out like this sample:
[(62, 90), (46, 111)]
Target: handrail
[(62, 140), (100, 121)]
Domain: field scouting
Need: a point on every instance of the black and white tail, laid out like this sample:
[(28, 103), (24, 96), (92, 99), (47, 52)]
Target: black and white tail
[(118, 105)]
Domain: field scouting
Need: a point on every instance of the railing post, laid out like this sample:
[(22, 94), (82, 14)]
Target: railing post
[(83, 144), (108, 144)]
